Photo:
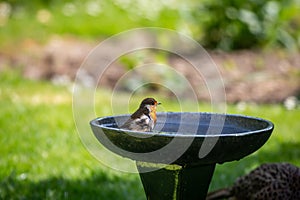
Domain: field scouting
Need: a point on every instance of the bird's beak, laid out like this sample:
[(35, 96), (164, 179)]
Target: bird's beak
[(158, 103)]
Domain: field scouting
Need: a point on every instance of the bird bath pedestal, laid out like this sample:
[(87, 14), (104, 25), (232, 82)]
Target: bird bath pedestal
[(177, 160)]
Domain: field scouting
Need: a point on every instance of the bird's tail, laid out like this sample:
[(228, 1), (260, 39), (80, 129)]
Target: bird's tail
[(219, 194)]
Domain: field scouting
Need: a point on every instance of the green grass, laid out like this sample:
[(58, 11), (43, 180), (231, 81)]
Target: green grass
[(42, 156)]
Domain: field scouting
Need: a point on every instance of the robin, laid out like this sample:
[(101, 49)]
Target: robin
[(144, 118)]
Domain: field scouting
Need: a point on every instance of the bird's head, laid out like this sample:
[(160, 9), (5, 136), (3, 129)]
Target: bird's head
[(147, 107), (149, 103)]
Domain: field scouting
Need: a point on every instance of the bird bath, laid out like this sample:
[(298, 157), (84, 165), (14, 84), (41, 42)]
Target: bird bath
[(177, 160)]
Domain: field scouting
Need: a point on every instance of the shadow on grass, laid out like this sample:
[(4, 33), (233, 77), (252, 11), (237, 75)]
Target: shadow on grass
[(99, 186)]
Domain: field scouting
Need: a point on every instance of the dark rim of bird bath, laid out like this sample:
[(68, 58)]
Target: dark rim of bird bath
[(268, 125)]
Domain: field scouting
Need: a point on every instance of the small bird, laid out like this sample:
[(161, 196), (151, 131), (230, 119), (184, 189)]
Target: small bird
[(144, 118), (276, 181)]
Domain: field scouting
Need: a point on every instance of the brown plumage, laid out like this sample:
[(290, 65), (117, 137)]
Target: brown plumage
[(144, 118), (277, 181)]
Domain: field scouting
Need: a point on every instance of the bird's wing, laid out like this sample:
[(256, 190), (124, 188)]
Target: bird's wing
[(126, 125), (138, 124)]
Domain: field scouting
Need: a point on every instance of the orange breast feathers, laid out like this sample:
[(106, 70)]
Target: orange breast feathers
[(153, 113)]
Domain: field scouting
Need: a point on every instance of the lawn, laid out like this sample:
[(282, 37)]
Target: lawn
[(42, 156)]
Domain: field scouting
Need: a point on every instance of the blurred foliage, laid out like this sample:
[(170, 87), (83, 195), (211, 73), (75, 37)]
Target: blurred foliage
[(227, 25), (234, 24)]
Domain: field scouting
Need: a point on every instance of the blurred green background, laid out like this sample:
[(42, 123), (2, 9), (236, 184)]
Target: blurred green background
[(227, 25), (41, 153)]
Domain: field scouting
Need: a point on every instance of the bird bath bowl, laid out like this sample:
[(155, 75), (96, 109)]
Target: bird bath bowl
[(177, 160)]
